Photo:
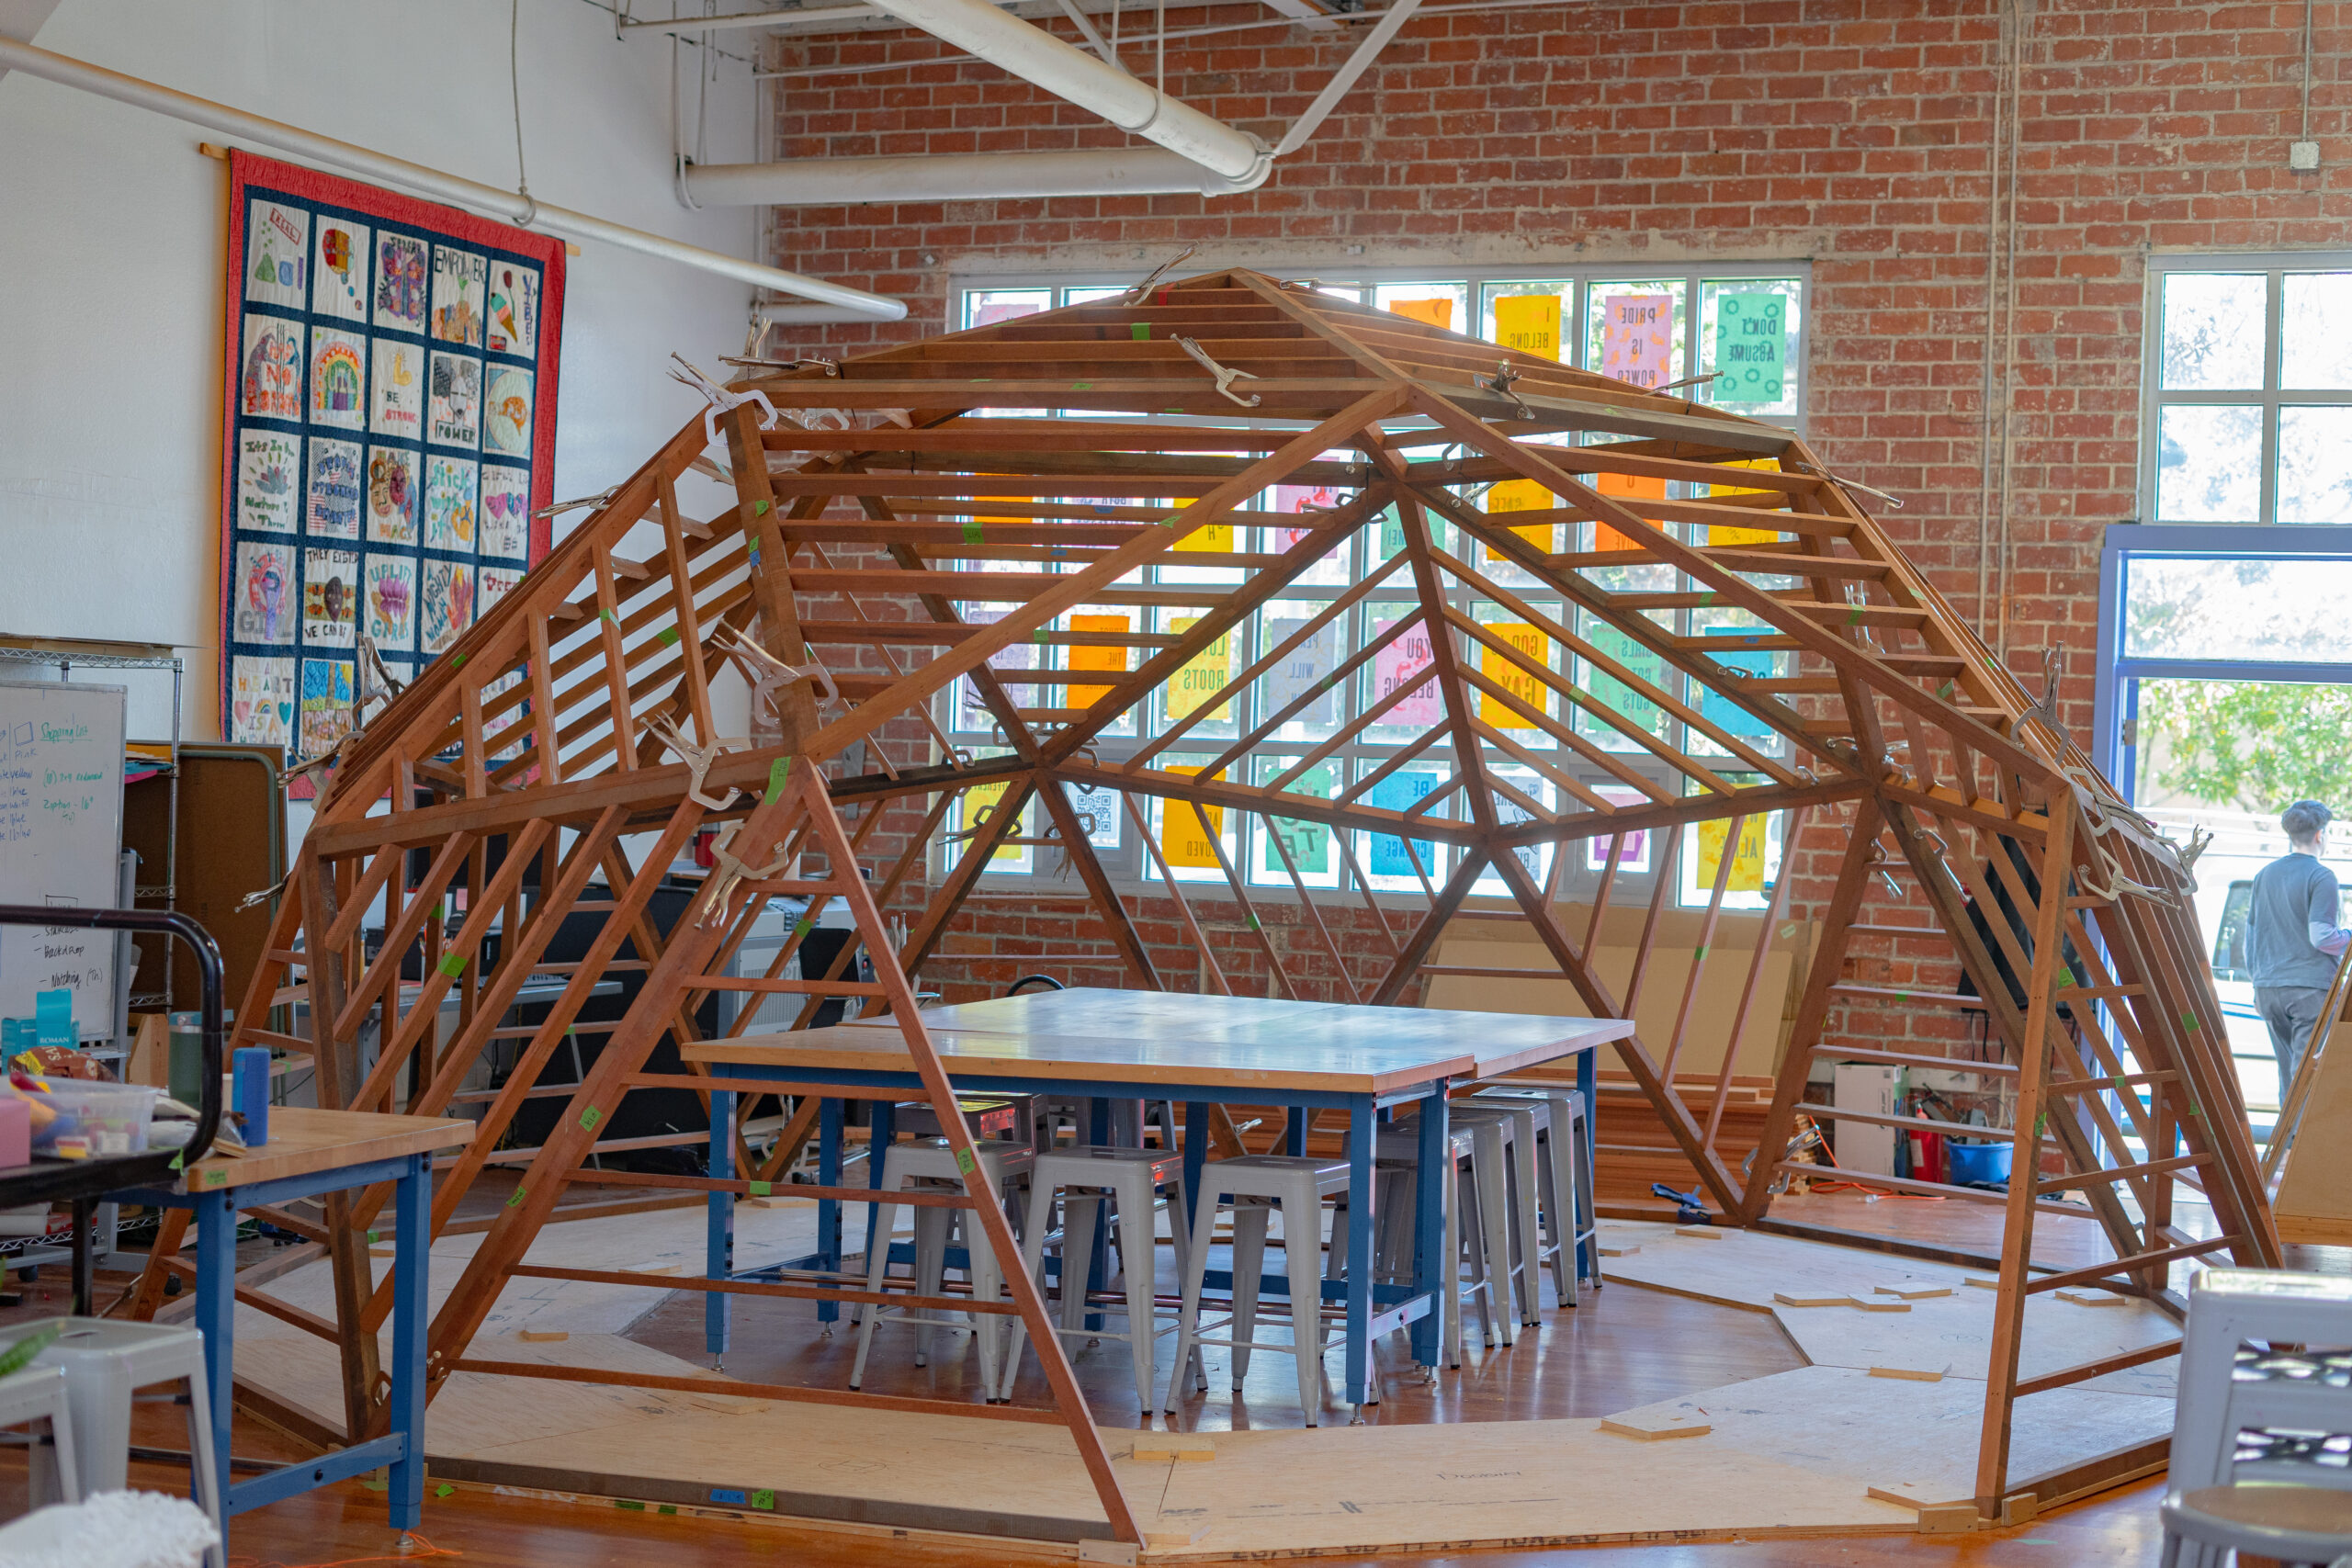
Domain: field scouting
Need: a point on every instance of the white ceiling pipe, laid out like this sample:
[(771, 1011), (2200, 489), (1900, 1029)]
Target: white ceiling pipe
[(1013, 45), (980, 176), (854, 303)]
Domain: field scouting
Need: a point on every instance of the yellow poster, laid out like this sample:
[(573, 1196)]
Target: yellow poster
[(1528, 323), (979, 801), (1181, 838), (1214, 539), (1203, 676), (1747, 862), (1084, 658), (1522, 495), (1537, 648), (1719, 533), (1437, 312)]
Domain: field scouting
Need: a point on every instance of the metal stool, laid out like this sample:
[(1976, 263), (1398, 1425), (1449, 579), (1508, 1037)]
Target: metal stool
[(38, 1394), (2225, 1466), (1252, 1186), (1466, 1244), (1503, 1252), (1132, 1180), (1571, 1222), (104, 1362), (936, 1230)]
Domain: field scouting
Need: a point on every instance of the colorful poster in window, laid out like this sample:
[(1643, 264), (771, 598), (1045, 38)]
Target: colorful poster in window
[(269, 486), (1217, 538), (980, 803), (1306, 668), (1437, 312), (1614, 694), (1746, 860), (1522, 495), (1401, 791), (1512, 678), (1530, 323), (1099, 657), (1396, 664), (1637, 338), (1751, 348), (1185, 838), (1308, 843), (1202, 677), (377, 346), (1721, 710), (1722, 534)]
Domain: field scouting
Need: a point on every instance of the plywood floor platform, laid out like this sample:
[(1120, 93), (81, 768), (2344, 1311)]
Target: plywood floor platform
[(1828, 1449)]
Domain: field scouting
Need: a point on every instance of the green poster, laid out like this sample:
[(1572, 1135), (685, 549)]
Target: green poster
[(1751, 348), (1392, 533), (1309, 843), (1614, 693)]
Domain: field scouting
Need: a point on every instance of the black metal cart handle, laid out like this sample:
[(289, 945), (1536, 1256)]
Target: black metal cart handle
[(167, 923)]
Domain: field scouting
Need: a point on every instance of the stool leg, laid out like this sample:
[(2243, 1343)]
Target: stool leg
[(1472, 1232), (1188, 1311), (1584, 1224), (56, 1478), (1494, 1232), (1033, 1263), (1139, 1261), (205, 1484), (1558, 1187), (1180, 1235), (986, 1274), (1078, 1210), (1452, 1269), (1529, 1261), (1248, 1267), (935, 1234), (1303, 1259), (885, 1218)]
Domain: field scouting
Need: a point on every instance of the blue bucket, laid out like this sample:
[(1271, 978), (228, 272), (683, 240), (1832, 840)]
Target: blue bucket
[(1979, 1164)]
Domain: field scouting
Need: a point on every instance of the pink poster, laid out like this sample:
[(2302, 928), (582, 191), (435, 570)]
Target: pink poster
[(1637, 338), (1297, 499), (1396, 664)]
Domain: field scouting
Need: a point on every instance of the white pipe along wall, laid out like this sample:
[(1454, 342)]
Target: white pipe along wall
[(848, 182)]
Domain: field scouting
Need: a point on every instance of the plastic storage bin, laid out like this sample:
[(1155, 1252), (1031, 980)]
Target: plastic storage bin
[(90, 1118), (1985, 1164)]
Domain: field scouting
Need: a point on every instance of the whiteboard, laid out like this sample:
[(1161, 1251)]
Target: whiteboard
[(61, 831)]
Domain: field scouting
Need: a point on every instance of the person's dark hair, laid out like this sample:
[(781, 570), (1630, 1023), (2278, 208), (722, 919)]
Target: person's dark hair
[(2304, 819)]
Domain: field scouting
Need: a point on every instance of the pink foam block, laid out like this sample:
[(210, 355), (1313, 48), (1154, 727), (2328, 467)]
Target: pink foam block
[(15, 1132)]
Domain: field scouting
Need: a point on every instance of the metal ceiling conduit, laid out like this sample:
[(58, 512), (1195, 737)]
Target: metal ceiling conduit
[(1197, 155), (838, 302)]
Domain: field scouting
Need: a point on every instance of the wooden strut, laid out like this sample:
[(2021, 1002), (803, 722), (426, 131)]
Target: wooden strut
[(525, 757)]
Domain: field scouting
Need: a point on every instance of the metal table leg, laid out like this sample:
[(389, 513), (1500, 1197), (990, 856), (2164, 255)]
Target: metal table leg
[(1362, 1125), (718, 1245), (216, 1310), (1432, 1270), (828, 1211), (412, 1210)]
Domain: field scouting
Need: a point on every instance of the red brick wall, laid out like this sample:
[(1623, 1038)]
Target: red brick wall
[(1858, 135)]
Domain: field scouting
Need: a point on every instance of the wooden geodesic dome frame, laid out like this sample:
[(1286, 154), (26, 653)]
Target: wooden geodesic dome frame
[(867, 496)]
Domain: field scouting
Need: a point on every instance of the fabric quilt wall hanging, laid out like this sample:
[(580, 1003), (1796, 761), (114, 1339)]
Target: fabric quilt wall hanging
[(389, 437)]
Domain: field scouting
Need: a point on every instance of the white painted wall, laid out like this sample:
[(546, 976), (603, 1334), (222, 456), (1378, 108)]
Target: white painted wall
[(112, 235)]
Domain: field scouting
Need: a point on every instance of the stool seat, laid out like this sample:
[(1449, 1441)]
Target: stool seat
[(1130, 1180), (1254, 1187), (105, 1361), (936, 1230), (2292, 1523)]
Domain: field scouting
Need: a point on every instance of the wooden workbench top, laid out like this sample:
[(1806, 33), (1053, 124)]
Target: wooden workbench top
[(303, 1141)]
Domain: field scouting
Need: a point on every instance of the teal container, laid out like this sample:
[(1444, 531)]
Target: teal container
[(1979, 1163), (187, 1075)]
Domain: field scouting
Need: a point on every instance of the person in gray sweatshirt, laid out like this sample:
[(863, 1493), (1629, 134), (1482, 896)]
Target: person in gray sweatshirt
[(2292, 938)]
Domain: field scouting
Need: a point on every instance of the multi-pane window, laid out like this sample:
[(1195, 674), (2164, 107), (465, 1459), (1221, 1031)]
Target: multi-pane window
[(2249, 381), (1733, 338)]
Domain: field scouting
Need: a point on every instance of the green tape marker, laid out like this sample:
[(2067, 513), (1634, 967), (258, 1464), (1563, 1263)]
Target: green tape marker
[(971, 530), (763, 1500), (452, 964), (456, 659), (1041, 636), (1139, 331), (590, 1117), (666, 636), (2188, 1018), (1706, 599), (444, 1490), (756, 552), (804, 927), (1700, 956), (1254, 925), (520, 1193), (1854, 616), (216, 1179), (1945, 690), (179, 1162), (1081, 385), (633, 1508), (667, 1508), (608, 615), (964, 1161), (761, 1189), (777, 772), (373, 1237), (759, 509)]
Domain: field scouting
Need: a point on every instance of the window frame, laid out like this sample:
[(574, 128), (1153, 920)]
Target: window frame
[(1129, 866), (2270, 398)]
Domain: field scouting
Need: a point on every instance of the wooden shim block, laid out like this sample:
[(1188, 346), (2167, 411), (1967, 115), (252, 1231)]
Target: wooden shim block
[(2020, 1508), (2093, 1298), (1121, 1551), (1622, 1249), (1871, 1303), (1947, 1519), (1913, 1374), (1983, 1281), (1656, 1427), (1912, 1291), (543, 1336), (1186, 1447), (1701, 1232), (1162, 1538), (1788, 1299)]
